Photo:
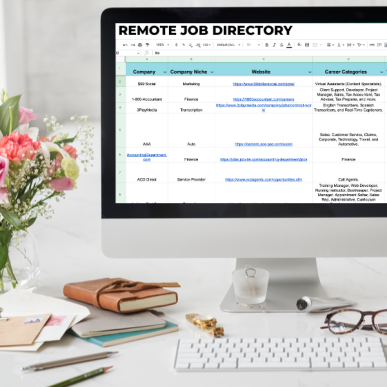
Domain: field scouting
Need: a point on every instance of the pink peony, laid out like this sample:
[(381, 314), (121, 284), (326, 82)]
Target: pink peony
[(3, 195), (70, 150), (4, 167), (61, 184), (17, 147), (25, 115)]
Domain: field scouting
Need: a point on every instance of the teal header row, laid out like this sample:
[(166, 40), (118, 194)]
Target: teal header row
[(251, 68)]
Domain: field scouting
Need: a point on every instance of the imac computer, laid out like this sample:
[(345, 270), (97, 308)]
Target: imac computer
[(254, 133)]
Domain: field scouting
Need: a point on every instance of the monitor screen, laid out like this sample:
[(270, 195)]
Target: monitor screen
[(250, 113)]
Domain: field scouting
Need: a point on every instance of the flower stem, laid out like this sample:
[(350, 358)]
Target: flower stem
[(11, 274), (1, 281), (10, 119)]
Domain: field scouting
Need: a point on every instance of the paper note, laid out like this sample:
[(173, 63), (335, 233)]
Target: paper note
[(22, 330), (55, 328), (22, 303)]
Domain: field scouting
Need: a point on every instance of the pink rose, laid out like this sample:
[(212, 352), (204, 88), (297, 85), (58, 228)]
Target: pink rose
[(61, 184), (3, 195), (4, 167), (70, 150), (25, 115)]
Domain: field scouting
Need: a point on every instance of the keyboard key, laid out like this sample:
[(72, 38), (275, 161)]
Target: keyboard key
[(245, 360), (185, 345), (194, 360), (304, 340), (248, 365), (234, 350), (262, 340), (205, 350), (380, 364), (182, 365), (207, 341), (227, 365), (215, 345), (227, 345), (212, 365), (365, 364), (289, 360), (303, 360), (199, 346), (189, 341), (237, 355), (249, 350), (337, 364), (197, 365), (188, 350), (290, 340), (189, 355), (350, 364), (209, 355), (259, 360), (221, 341), (373, 340), (319, 365), (273, 360), (249, 341), (241, 345), (229, 360)]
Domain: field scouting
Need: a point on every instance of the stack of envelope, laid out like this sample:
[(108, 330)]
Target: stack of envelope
[(50, 316)]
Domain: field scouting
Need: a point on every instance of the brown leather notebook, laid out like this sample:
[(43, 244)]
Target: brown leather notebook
[(122, 296)]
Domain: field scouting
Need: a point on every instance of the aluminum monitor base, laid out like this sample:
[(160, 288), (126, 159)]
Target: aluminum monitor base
[(290, 279)]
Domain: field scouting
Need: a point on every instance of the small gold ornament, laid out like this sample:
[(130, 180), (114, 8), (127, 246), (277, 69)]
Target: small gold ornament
[(206, 323)]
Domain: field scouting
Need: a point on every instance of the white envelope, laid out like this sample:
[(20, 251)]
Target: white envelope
[(21, 303), (55, 327)]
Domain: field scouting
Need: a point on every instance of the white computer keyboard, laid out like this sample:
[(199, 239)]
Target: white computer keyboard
[(242, 354)]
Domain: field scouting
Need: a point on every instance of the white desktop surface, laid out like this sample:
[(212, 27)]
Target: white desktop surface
[(70, 251)]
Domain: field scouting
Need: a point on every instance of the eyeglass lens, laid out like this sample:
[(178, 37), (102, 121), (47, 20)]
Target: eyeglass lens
[(346, 321), (380, 322)]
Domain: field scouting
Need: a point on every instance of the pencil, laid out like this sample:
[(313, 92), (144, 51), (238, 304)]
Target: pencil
[(80, 378)]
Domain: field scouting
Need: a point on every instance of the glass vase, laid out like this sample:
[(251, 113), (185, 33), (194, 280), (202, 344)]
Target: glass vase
[(22, 270)]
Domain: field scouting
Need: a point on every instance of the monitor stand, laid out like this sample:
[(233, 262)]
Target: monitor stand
[(290, 279)]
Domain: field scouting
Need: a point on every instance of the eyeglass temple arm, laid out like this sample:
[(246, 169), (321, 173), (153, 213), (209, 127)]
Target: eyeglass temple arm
[(365, 327)]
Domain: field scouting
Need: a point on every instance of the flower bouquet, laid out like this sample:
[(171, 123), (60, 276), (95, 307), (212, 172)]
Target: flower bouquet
[(34, 170)]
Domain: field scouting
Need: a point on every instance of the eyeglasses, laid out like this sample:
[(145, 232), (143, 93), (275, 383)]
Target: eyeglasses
[(346, 321)]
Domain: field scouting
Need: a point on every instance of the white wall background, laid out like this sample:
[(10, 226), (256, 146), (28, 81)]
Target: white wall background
[(53, 48)]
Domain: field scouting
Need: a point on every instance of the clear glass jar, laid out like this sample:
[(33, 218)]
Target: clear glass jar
[(24, 263)]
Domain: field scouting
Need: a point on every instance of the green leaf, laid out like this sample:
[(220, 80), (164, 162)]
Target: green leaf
[(31, 221), (11, 218), (5, 117), (53, 154), (3, 256), (5, 237), (66, 141)]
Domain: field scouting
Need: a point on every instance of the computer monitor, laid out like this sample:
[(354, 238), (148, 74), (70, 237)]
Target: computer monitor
[(255, 133)]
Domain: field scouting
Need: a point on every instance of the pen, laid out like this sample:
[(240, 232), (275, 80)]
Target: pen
[(71, 360), (80, 378)]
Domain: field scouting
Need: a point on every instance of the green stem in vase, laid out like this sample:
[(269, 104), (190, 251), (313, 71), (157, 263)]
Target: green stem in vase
[(1, 282), (11, 274)]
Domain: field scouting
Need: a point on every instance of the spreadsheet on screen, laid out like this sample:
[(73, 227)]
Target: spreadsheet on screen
[(251, 113)]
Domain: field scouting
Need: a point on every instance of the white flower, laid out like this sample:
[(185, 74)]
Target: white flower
[(31, 132), (47, 147)]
